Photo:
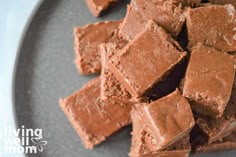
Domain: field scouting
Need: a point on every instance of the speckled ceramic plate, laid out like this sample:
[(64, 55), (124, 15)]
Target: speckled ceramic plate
[(45, 72)]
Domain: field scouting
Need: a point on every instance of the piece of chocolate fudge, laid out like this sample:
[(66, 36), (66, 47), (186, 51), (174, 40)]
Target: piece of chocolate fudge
[(94, 120), (111, 88), (209, 80), (199, 142), (87, 40), (170, 118), (138, 144), (214, 31), (223, 2), (144, 145), (166, 13), (227, 143), (218, 128), (97, 7), (146, 59)]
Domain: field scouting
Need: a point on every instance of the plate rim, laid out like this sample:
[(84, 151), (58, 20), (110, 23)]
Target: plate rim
[(32, 8)]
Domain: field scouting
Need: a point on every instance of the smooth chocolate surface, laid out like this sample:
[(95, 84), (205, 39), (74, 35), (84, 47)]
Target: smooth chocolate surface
[(170, 118), (227, 143), (209, 80), (214, 31), (144, 145), (217, 129), (94, 120), (146, 60), (111, 88), (98, 6), (167, 14), (86, 42)]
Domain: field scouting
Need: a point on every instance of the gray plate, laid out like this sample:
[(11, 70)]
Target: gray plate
[(45, 72)]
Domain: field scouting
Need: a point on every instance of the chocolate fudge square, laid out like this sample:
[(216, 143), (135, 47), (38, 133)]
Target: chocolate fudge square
[(166, 13), (170, 118), (94, 120), (214, 31), (87, 40), (146, 59), (144, 145), (216, 129), (209, 80), (97, 7), (111, 88)]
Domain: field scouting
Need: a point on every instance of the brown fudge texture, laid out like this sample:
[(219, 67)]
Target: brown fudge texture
[(227, 143), (167, 14), (209, 80), (174, 153), (186, 3), (145, 60), (214, 31), (222, 2), (138, 144), (94, 120), (144, 145), (111, 88), (216, 129), (170, 118), (87, 40), (98, 6)]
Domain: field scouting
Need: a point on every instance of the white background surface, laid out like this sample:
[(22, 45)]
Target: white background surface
[(14, 15)]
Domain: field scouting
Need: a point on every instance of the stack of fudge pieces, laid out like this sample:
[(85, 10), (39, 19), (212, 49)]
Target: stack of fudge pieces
[(178, 98)]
